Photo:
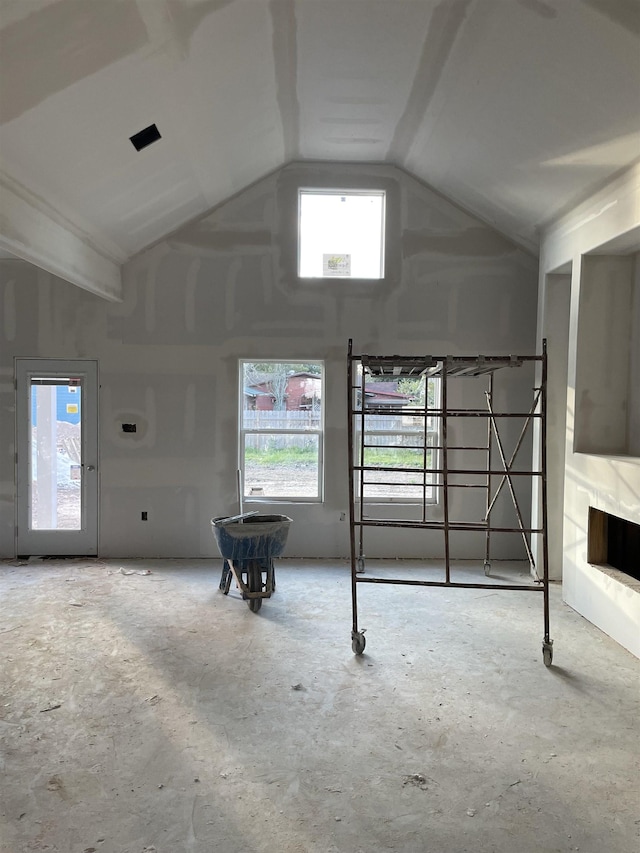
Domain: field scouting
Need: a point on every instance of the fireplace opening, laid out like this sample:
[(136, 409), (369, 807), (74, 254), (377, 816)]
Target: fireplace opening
[(615, 542)]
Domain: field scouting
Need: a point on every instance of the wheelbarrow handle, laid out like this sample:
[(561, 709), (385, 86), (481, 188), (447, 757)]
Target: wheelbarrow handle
[(239, 517)]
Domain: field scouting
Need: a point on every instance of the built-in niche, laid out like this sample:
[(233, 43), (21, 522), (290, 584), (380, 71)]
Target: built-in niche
[(607, 399), (614, 542)]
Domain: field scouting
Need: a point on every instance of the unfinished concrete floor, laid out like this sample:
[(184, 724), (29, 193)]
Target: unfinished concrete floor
[(148, 712)]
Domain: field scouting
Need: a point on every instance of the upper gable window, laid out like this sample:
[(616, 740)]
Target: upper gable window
[(341, 233)]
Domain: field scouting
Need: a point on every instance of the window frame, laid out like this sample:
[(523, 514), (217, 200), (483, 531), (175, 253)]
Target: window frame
[(433, 431), (333, 191), (244, 431)]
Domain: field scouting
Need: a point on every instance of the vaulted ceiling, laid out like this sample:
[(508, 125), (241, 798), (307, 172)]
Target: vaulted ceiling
[(515, 109)]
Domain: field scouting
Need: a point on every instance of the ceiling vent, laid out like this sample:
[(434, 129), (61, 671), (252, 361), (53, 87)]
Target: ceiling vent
[(145, 137)]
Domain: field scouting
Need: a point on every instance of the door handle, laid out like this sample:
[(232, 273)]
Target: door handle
[(89, 467)]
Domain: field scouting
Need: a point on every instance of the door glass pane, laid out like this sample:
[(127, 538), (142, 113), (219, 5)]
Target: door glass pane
[(55, 453)]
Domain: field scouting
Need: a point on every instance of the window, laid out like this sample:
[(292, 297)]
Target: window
[(341, 234), (281, 429), (400, 445)]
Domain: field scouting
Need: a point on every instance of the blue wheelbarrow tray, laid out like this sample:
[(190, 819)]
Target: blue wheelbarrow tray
[(248, 546)]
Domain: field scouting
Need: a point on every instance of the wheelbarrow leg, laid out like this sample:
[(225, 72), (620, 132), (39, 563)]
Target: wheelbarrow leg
[(225, 580), (254, 578)]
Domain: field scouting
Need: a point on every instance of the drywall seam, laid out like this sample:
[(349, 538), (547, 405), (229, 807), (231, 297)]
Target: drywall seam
[(285, 60), (446, 20)]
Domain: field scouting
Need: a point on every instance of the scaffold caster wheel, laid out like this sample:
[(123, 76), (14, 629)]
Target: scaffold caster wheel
[(547, 653), (358, 642), (487, 568), (360, 566)]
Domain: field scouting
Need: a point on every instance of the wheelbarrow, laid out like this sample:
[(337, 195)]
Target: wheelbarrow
[(248, 544)]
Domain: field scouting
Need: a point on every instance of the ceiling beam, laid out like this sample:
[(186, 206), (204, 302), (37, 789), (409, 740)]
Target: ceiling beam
[(33, 230)]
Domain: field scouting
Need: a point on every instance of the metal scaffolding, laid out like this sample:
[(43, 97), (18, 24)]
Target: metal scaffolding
[(436, 446)]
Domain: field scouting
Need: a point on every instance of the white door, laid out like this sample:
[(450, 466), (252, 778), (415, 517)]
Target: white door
[(57, 453)]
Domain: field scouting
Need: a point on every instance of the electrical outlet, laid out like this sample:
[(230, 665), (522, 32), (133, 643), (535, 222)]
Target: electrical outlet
[(143, 516)]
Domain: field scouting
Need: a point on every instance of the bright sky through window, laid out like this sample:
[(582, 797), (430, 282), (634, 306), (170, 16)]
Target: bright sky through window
[(341, 234)]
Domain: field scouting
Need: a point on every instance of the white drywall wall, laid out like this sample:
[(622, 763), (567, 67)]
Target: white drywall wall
[(224, 288), (603, 354), (556, 333), (633, 432), (598, 240)]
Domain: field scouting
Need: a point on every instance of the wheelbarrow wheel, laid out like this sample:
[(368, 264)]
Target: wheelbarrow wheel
[(254, 576)]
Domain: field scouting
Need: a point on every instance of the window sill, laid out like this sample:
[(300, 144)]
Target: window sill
[(266, 500), (398, 502)]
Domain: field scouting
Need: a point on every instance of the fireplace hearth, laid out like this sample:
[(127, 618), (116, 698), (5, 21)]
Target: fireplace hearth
[(614, 542)]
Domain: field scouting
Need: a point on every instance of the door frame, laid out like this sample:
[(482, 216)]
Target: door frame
[(57, 542)]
